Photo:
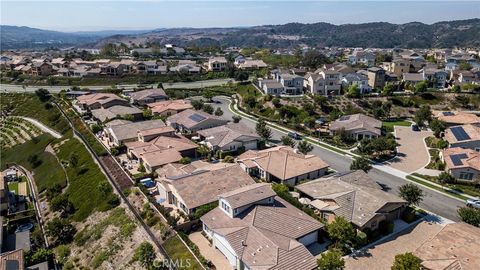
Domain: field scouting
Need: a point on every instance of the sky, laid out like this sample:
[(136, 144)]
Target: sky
[(82, 15)]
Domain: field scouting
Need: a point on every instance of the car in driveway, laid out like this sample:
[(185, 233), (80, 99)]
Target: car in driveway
[(473, 203), (294, 135), (415, 128)]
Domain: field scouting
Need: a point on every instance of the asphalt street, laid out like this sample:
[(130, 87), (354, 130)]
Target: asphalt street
[(433, 201)]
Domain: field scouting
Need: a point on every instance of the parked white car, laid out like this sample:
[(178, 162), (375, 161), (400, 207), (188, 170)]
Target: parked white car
[(473, 203)]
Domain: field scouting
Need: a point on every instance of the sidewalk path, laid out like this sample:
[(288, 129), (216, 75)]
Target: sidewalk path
[(43, 127)]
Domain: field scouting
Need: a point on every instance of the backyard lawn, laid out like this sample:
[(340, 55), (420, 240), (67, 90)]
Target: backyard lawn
[(389, 125), (179, 252)]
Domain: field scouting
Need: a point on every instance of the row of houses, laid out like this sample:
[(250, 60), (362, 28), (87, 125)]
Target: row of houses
[(462, 157)]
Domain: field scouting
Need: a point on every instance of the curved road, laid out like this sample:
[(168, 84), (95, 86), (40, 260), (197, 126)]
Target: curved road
[(433, 201)]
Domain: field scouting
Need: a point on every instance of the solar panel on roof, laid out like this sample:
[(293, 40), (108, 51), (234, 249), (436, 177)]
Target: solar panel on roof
[(448, 113), (344, 118), (460, 134), (197, 117), (457, 159)]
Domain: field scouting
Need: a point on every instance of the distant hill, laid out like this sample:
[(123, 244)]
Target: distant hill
[(463, 33)]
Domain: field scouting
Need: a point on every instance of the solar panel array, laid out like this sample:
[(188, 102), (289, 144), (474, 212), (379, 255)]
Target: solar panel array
[(457, 159), (344, 118), (460, 134), (197, 117), (448, 114)]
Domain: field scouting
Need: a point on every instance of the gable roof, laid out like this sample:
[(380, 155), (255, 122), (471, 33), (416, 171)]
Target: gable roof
[(352, 195), (190, 118), (175, 105), (11, 259), (101, 98), (223, 135), (203, 187), (458, 157), (357, 121), (264, 236), (148, 93), (282, 161), (129, 130), (248, 194), (456, 117), (114, 111), (463, 133)]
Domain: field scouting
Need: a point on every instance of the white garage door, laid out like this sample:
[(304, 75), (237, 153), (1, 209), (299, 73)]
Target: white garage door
[(221, 244), (309, 238)]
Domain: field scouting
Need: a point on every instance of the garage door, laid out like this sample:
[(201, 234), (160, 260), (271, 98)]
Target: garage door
[(309, 238), (221, 244)]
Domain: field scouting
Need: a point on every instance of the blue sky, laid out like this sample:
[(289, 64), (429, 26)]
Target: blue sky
[(108, 15)]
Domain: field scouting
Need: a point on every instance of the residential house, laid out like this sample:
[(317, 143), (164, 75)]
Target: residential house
[(272, 87), (169, 107), (466, 77), (453, 247), (325, 82), (376, 77), (38, 68), (398, 66), (186, 67), (151, 67), (191, 121), (359, 80), (436, 77), (158, 147), (357, 126), (12, 260), (453, 118), (217, 63), (412, 78), (353, 196), (112, 69), (462, 163), (465, 136), (361, 57), (292, 84), (230, 138), (100, 100), (254, 229), (147, 96), (282, 164), (117, 111), (201, 187), (249, 64), (128, 132)]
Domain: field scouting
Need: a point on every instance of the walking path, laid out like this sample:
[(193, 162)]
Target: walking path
[(43, 127)]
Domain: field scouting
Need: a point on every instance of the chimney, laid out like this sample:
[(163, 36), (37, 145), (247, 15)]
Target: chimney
[(243, 243)]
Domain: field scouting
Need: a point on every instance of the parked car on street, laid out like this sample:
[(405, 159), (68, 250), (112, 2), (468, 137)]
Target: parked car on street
[(294, 135), (473, 203)]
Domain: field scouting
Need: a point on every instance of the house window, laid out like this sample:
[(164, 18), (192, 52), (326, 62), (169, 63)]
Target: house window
[(235, 211), (466, 176), (374, 224)]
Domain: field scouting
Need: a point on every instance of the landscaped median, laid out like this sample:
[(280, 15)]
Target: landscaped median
[(429, 184)]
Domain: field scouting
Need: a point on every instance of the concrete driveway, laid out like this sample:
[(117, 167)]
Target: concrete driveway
[(412, 153), (210, 252)]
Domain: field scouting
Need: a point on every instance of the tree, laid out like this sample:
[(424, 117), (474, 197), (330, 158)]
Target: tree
[(407, 261), (208, 108), (437, 127), (147, 113), (43, 94), (236, 118), (341, 231), (73, 160), (388, 89), (63, 204), (464, 65), (228, 159), (251, 101), (60, 230), (456, 89), (218, 111), (96, 128), (360, 163), (197, 104), (304, 147), (262, 130), (331, 260), (185, 160), (276, 102), (208, 95), (422, 115), (313, 59), (203, 151), (145, 254), (411, 193), (421, 87), (241, 76), (286, 140), (353, 91), (445, 178), (469, 215)]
